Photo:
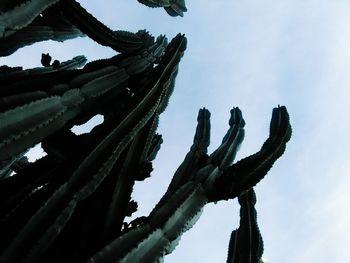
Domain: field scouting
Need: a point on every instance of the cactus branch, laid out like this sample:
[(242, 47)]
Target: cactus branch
[(22, 15), (246, 244), (186, 196), (172, 7), (120, 41), (250, 170)]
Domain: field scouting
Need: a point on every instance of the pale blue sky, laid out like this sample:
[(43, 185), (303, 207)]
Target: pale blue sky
[(254, 55)]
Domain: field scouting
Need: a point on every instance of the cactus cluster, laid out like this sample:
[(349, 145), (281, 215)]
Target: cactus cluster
[(71, 205)]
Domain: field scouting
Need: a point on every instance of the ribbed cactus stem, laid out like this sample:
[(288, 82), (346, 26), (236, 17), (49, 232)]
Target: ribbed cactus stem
[(187, 194), (250, 170), (173, 7), (22, 15), (89, 25), (246, 244), (123, 189)]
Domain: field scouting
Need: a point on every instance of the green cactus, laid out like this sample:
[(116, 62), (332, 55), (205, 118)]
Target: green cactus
[(63, 102), (22, 15), (172, 7), (71, 205), (47, 26), (118, 40), (192, 188), (246, 244)]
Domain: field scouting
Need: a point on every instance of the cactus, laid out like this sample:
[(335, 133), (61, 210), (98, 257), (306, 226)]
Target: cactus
[(72, 204), (22, 15), (191, 188), (246, 244), (47, 26), (172, 7)]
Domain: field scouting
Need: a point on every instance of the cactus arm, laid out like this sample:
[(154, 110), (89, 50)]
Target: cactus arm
[(8, 101), (168, 88), (13, 101), (89, 25), (250, 170), (14, 82), (225, 154), (172, 7), (101, 85), (137, 63), (232, 248), (152, 3), (195, 158), (197, 154), (22, 15), (149, 135), (125, 182), (32, 116), (74, 63), (51, 24), (36, 33), (152, 53), (174, 11), (179, 209), (169, 91), (156, 142), (246, 243), (87, 77), (41, 78)]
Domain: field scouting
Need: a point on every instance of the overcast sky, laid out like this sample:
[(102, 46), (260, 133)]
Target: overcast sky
[(254, 55)]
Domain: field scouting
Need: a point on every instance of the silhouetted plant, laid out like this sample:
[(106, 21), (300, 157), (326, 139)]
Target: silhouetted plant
[(71, 204), (246, 244)]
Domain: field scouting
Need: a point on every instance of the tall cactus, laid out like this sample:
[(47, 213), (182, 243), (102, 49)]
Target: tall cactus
[(71, 204)]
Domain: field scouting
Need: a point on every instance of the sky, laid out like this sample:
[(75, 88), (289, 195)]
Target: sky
[(254, 55)]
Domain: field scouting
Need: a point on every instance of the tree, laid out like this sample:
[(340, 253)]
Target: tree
[(72, 203)]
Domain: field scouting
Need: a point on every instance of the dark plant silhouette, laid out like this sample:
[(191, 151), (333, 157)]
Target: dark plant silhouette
[(246, 244), (71, 205)]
